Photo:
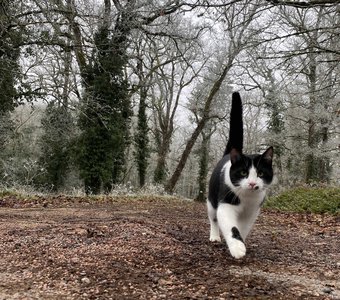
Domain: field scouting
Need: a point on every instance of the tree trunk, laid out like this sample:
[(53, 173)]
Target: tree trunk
[(160, 170), (141, 139), (170, 186), (203, 168), (311, 161)]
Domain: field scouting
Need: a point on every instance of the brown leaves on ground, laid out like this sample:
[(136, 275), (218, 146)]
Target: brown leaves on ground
[(158, 248)]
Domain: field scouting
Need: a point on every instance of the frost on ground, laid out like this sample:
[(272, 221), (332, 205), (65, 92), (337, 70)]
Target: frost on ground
[(158, 248)]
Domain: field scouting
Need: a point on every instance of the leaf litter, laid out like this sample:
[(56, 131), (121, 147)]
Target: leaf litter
[(62, 247)]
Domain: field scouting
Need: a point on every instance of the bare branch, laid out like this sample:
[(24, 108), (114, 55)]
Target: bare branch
[(305, 4)]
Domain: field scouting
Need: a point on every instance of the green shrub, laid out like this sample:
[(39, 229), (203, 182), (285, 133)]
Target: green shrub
[(307, 199)]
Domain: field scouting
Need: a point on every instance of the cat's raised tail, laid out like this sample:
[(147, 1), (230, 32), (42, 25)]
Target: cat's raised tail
[(236, 125)]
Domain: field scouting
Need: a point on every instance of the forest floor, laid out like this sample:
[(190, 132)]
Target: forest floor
[(157, 248)]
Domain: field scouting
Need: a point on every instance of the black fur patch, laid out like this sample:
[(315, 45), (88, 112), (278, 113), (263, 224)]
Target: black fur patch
[(236, 234), (232, 199)]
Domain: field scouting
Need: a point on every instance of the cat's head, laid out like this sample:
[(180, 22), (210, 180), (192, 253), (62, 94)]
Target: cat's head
[(251, 172)]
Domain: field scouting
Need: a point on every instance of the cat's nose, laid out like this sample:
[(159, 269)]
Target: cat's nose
[(252, 184)]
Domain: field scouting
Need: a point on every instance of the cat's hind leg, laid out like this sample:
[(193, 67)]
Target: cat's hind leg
[(214, 229)]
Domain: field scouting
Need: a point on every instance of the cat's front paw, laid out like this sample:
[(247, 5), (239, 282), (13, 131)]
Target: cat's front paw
[(215, 238), (237, 249)]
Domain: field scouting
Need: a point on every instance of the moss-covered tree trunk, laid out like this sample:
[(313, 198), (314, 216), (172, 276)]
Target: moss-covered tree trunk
[(203, 167), (56, 147), (10, 38), (160, 172), (9, 55), (142, 135)]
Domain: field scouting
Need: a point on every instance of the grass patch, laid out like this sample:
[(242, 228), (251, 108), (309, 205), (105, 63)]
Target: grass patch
[(306, 199)]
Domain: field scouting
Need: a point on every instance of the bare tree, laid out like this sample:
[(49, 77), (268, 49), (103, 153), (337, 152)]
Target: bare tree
[(236, 20), (171, 68)]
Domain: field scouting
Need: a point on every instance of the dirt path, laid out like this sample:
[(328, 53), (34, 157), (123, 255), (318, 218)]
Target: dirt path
[(70, 248)]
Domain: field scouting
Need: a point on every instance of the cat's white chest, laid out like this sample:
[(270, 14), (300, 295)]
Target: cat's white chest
[(248, 209)]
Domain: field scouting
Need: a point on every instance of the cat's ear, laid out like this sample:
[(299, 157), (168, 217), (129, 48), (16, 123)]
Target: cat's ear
[(235, 155), (268, 155)]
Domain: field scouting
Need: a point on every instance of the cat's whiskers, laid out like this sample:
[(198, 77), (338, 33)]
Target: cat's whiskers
[(236, 192)]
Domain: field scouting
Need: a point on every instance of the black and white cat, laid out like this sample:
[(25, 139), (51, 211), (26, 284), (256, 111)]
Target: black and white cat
[(237, 187)]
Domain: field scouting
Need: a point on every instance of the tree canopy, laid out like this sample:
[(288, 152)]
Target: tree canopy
[(138, 92)]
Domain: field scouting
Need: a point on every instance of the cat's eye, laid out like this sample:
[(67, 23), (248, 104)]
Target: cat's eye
[(244, 173), (260, 174)]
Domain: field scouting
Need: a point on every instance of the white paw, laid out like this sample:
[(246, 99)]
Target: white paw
[(215, 238), (237, 249)]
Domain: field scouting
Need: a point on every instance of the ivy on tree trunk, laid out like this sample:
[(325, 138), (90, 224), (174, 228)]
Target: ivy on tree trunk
[(106, 113)]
